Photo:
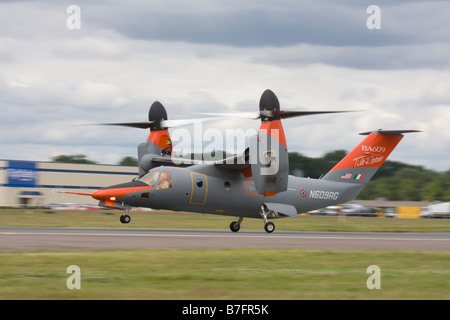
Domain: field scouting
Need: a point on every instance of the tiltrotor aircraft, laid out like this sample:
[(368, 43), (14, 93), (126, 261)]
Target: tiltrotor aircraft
[(254, 184)]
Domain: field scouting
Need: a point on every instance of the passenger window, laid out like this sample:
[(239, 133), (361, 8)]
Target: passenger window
[(145, 195), (165, 181)]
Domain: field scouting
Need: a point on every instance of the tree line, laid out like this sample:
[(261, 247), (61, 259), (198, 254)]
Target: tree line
[(393, 181), (81, 158)]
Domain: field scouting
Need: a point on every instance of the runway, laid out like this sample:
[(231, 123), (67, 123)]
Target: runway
[(18, 239)]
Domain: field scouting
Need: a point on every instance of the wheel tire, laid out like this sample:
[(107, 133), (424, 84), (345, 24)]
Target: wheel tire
[(125, 219), (269, 227), (234, 226)]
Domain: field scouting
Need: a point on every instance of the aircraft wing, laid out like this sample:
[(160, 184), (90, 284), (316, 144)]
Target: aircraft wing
[(172, 161), (237, 162)]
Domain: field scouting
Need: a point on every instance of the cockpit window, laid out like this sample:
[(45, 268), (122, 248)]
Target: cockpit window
[(150, 178), (165, 180)]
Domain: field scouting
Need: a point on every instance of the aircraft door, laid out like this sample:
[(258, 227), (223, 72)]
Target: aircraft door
[(199, 189)]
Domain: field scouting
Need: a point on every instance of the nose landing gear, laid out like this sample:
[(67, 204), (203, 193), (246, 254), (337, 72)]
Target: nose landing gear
[(236, 225), (125, 218)]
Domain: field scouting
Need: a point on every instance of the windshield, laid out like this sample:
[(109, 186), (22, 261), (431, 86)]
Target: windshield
[(150, 178), (165, 179)]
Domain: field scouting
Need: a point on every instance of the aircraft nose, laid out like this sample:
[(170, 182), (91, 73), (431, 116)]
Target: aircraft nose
[(108, 194), (115, 192)]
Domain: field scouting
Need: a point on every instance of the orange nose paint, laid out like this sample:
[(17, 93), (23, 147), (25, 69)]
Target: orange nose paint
[(116, 193)]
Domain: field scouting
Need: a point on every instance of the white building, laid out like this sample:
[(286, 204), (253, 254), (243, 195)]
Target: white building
[(32, 183)]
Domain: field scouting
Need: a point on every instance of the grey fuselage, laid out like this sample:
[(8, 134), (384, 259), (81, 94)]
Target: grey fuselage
[(208, 189)]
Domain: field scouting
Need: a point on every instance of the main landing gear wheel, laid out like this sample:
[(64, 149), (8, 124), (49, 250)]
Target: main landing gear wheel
[(125, 218), (269, 227)]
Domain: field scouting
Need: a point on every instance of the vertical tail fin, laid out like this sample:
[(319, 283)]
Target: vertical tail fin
[(361, 163)]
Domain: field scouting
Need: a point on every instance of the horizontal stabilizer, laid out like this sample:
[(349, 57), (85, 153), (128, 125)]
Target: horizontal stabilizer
[(389, 132)]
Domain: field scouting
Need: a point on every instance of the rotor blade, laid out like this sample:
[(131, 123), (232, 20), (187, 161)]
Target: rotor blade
[(140, 125), (290, 114), (184, 122), (272, 114), (244, 115), (163, 123)]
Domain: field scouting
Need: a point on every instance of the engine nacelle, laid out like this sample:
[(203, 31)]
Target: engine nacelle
[(269, 164)]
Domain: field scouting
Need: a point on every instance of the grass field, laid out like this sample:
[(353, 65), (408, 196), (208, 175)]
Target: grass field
[(225, 273)]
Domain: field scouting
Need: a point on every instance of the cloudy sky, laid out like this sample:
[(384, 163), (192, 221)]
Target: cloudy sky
[(219, 56)]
